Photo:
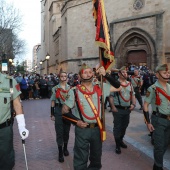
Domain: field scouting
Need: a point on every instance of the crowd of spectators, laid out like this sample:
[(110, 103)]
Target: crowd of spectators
[(35, 86)]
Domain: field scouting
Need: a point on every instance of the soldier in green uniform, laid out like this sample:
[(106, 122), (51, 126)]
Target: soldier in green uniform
[(9, 98), (85, 99), (158, 95), (122, 103), (62, 127), (137, 82)]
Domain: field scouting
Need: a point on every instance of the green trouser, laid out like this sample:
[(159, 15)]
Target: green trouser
[(7, 159), (161, 136), (138, 96), (121, 121), (62, 127), (87, 141)]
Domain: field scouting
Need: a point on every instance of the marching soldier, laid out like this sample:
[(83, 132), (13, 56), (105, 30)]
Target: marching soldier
[(10, 102), (62, 127), (122, 103), (158, 95), (137, 82), (85, 99)]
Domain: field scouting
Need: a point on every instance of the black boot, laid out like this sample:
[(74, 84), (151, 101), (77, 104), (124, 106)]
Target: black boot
[(122, 144), (155, 167), (66, 152), (60, 155), (117, 150)]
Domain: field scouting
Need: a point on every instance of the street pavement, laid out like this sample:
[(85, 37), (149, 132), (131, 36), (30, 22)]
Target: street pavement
[(42, 151)]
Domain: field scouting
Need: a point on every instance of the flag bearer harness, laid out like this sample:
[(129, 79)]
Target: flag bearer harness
[(96, 111)]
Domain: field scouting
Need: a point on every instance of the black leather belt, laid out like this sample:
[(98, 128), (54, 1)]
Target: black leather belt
[(122, 107), (161, 115), (6, 124), (92, 125), (58, 104)]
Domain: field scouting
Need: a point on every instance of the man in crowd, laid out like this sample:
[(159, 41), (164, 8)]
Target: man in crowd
[(158, 95), (62, 127), (85, 99), (122, 103)]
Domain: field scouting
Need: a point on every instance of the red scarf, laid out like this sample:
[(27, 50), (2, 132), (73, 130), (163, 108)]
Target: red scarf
[(59, 95), (159, 90), (126, 100), (133, 77), (82, 89)]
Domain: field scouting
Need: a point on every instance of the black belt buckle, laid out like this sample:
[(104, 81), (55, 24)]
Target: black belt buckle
[(8, 122), (5, 124), (92, 125), (126, 108)]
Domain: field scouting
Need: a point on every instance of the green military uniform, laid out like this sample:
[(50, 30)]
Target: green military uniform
[(86, 138), (62, 127), (135, 80), (122, 101), (6, 132), (161, 133), (159, 119)]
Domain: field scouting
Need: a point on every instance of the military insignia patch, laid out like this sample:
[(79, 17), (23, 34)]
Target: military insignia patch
[(67, 97), (147, 94)]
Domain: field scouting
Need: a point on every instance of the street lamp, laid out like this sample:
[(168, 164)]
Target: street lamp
[(47, 58), (35, 68), (10, 65), (41, 62), (40, 66)]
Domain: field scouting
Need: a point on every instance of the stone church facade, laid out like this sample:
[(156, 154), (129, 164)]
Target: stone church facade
[(139, 31)]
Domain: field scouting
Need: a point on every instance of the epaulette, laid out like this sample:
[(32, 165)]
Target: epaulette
[(153, 86)]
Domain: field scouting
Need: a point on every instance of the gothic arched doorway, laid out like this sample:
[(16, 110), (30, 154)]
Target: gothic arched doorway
[(137, 57), (135, 46)]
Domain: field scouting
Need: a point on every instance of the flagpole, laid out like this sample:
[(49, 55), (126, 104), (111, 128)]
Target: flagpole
[(102, 97)]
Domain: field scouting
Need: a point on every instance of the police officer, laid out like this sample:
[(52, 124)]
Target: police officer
[(85, 99), (137, 83), (9, 100), (122, 103), (158, 95), (62, 127)]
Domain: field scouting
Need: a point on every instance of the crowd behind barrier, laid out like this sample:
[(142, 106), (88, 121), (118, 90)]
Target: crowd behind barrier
[(36, 86)]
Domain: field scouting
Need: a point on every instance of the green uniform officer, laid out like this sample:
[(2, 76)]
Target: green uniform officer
[(62, 127), (9, 91), (125, 102), (85, 99), (158, 95), (137, 82)]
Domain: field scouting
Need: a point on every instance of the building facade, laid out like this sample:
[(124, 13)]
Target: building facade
[(138, 30)]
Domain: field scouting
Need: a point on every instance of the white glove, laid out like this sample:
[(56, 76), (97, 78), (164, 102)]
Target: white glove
[(21, 126)]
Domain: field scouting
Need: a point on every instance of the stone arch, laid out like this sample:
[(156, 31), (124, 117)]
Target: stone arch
[(135, 39)]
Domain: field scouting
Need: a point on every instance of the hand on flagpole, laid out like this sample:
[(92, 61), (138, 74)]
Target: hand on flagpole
[(101, 71)]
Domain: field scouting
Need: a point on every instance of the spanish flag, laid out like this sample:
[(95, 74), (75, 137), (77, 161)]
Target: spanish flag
[(102, 34)]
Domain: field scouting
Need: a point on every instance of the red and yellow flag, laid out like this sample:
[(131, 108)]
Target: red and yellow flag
[(102, 34)]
